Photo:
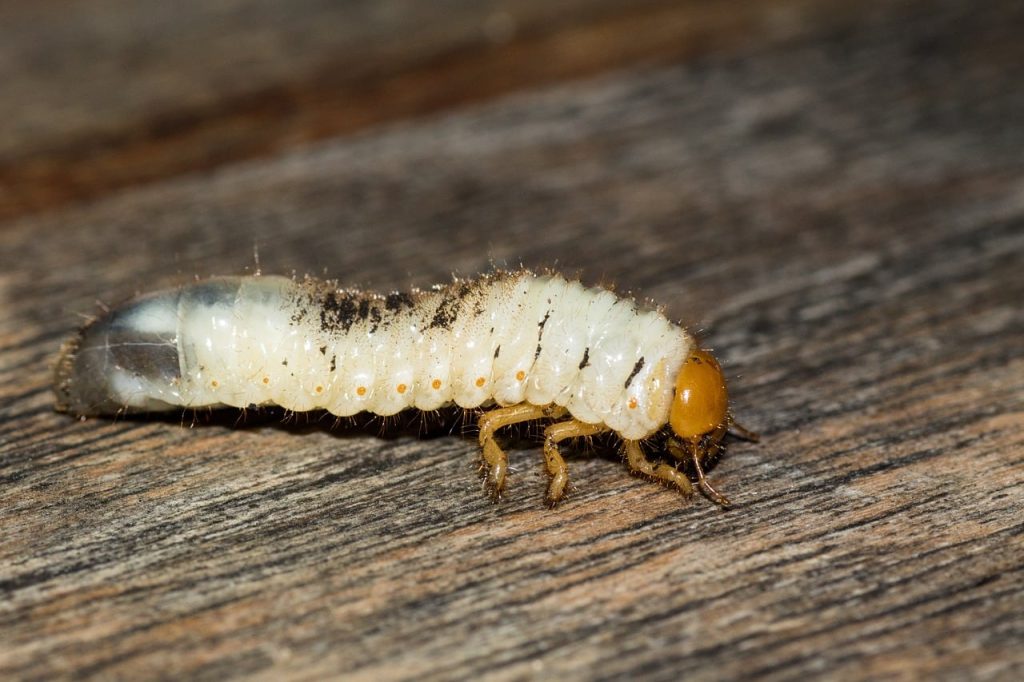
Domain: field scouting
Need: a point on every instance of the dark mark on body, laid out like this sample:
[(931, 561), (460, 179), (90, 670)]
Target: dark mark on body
[(636, 370)]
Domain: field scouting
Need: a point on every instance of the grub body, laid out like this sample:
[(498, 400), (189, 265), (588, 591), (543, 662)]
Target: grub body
[(502, 339)]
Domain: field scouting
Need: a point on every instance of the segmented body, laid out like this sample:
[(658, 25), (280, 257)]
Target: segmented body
[(305, 345), (535, 346)]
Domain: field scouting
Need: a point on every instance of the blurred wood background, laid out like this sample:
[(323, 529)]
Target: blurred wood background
[(832, 193)]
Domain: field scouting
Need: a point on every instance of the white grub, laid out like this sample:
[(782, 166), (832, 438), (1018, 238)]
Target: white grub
[(530, 345)]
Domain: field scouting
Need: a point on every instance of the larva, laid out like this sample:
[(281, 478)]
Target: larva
[(527, 346)]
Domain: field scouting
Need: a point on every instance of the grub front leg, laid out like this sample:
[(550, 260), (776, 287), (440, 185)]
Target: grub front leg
[(660, 471)]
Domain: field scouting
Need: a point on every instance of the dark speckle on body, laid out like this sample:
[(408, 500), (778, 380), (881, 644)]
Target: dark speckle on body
[(540, 332), (397, 301), (636, 370), (446, 312), (338, 311)]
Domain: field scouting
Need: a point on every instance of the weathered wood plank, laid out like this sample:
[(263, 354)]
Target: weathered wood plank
[(844, 218), (110, 94)]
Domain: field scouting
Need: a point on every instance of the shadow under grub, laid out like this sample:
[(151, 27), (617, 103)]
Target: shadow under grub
[(427, 426), (406, 424)]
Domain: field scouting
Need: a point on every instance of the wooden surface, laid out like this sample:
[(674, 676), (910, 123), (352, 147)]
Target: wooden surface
[(837, 204), (114, 93)]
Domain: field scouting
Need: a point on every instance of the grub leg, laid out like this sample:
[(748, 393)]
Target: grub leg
[(495, 461), (703, 482), (659, 471), (556, 466)]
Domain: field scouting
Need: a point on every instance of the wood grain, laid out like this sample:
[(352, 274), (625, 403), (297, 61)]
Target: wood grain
[(115, 94), (841, 216)]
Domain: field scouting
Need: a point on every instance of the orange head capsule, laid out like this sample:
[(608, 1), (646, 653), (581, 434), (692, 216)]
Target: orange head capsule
[(700, 414), (701, 403)]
